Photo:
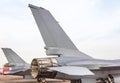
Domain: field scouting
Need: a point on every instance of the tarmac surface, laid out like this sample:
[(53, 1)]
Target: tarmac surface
[(19, 79)]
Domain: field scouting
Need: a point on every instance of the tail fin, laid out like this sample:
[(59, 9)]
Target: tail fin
[(12, 57), (52, 33), (56, 40)]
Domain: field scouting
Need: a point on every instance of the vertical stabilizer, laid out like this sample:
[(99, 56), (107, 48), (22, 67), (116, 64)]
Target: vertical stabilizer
[(53, 35), (12, 57), (56, 40)]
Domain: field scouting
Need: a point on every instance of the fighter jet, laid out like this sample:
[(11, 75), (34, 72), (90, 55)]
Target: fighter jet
[(17, 66), (70, 63)]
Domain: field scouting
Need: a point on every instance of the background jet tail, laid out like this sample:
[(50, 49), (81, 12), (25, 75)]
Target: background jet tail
[(12, 57)]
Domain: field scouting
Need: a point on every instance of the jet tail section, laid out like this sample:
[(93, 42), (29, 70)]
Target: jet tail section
[(12, 57), (56, 40)]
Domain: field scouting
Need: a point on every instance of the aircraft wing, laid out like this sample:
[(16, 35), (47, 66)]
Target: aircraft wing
[(73, 70)]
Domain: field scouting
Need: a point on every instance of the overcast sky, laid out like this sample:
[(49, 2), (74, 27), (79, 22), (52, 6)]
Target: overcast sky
[(93, 26)]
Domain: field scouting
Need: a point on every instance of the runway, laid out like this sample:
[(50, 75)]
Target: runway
[(19, 79)]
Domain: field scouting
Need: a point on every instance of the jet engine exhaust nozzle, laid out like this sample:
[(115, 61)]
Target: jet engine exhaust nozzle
[(39, 67)]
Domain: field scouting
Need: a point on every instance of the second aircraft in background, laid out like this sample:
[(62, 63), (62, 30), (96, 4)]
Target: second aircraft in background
[(17, 66)]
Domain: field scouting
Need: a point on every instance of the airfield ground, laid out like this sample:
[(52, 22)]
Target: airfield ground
[(19, 79)]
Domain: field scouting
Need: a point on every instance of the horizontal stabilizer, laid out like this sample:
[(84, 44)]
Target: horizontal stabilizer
[(71, 70)]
